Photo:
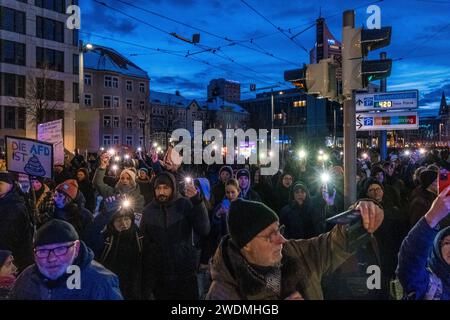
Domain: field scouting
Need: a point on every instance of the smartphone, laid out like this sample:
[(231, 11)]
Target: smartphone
[(346, 217), (444, 181)]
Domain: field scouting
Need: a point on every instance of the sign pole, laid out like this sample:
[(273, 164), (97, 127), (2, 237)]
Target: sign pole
[(383, 134)]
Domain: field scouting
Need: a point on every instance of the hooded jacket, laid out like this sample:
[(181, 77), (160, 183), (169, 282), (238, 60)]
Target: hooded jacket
[(247, 193), (421, 269), (97, 283), (168, 230), (303, 265)]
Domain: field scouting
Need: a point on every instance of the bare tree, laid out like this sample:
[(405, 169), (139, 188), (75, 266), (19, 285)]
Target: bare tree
[(43, 96)]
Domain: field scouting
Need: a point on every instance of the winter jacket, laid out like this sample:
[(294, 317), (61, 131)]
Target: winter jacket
[(421, 270), (168, 229), (16, 229), (303, 265), (420, 204), (298, 220), (88, 191), (97, 283)]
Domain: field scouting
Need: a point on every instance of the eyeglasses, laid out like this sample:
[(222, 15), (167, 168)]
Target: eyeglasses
[(271, 237), (58, 251)]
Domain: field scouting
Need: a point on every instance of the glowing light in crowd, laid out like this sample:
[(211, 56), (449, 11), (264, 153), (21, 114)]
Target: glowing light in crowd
[(302, 154), (270, 154), (188, 179), (407, 152), (139, 149), (158, 149), (325, 177), (320, 157), (117, 158), (422, 151), (111, 151), (127, 156), (262, 156), (102, 149), (364, 155), (325, 157), (341, 153), (155, 144), (115, 167), (320, 151), (126, 203)]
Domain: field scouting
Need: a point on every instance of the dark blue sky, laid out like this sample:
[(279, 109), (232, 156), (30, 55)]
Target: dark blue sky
[(421, 29)]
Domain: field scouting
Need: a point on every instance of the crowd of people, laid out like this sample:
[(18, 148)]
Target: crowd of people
[(135, 225)]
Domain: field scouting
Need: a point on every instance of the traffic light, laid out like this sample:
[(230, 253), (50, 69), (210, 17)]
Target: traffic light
[(356, 71), (318, 78)]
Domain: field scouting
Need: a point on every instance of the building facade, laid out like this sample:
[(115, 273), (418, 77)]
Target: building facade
[(115, 108), (38, 68), (227, 90)]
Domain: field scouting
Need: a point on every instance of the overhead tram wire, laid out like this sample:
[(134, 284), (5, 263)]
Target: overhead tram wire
[(237, 42), (166, 32), (177, 54), (276, 27)]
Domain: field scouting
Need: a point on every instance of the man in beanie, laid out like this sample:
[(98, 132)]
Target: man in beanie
[(16, 228), (218, 190), (424, 195), (424, 258), (58, 247), (256, 262), (247, 193), (126, 186), (169, 226)]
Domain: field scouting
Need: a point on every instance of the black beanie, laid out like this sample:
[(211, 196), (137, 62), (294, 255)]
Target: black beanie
[(300, 185), (164, 178), (7, 177), (242, 172), (55, 231), (4, 254), (248, 218), (427, 177)]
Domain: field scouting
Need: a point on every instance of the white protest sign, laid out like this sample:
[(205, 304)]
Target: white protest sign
[(29, 156), (51, 132)]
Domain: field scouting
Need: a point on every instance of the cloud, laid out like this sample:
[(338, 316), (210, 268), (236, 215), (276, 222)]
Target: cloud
[(178, 82), (99, 20)]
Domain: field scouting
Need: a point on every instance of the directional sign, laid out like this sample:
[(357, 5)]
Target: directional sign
[(387, 100), (387, 121)]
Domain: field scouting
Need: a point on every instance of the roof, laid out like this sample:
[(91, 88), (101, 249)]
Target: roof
[(107, 59), (219, 104), (169, 99)]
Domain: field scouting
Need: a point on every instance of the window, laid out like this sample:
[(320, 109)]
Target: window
[(107, 121), (141, 141), (141, 123), (116, 140), (54, 5), (10, 117), (142, 105), (129, 123), (51, 59), (108, 82), (115, 82), (21, 118), (75, 64), (12, 52), (129, 104), (116, 102), (107, 101), (12, 85), (87, 79), (116, 122), (49, 29), (87, 100), (129, 85), (300, 103), (129, 140), (50, 89), (12, 20), (106, 140), (141, 87), (76, 97), (76, 37)]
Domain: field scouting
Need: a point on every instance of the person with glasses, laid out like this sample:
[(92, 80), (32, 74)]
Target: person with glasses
[(255, 261), (64, 269), (424, 259)]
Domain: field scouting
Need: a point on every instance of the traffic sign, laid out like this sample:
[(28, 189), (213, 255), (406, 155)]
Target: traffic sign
[(387, 121), (387, 100)]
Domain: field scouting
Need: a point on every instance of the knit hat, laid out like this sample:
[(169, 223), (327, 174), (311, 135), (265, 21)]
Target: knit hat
[(427, 177), (242, 172), (69, 188), (248, 218), (131, 173), (164, 178), (227, 169), (365, 184), (55, 231), (7, 177), (300, 185), (144, 170), (4, 254)]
